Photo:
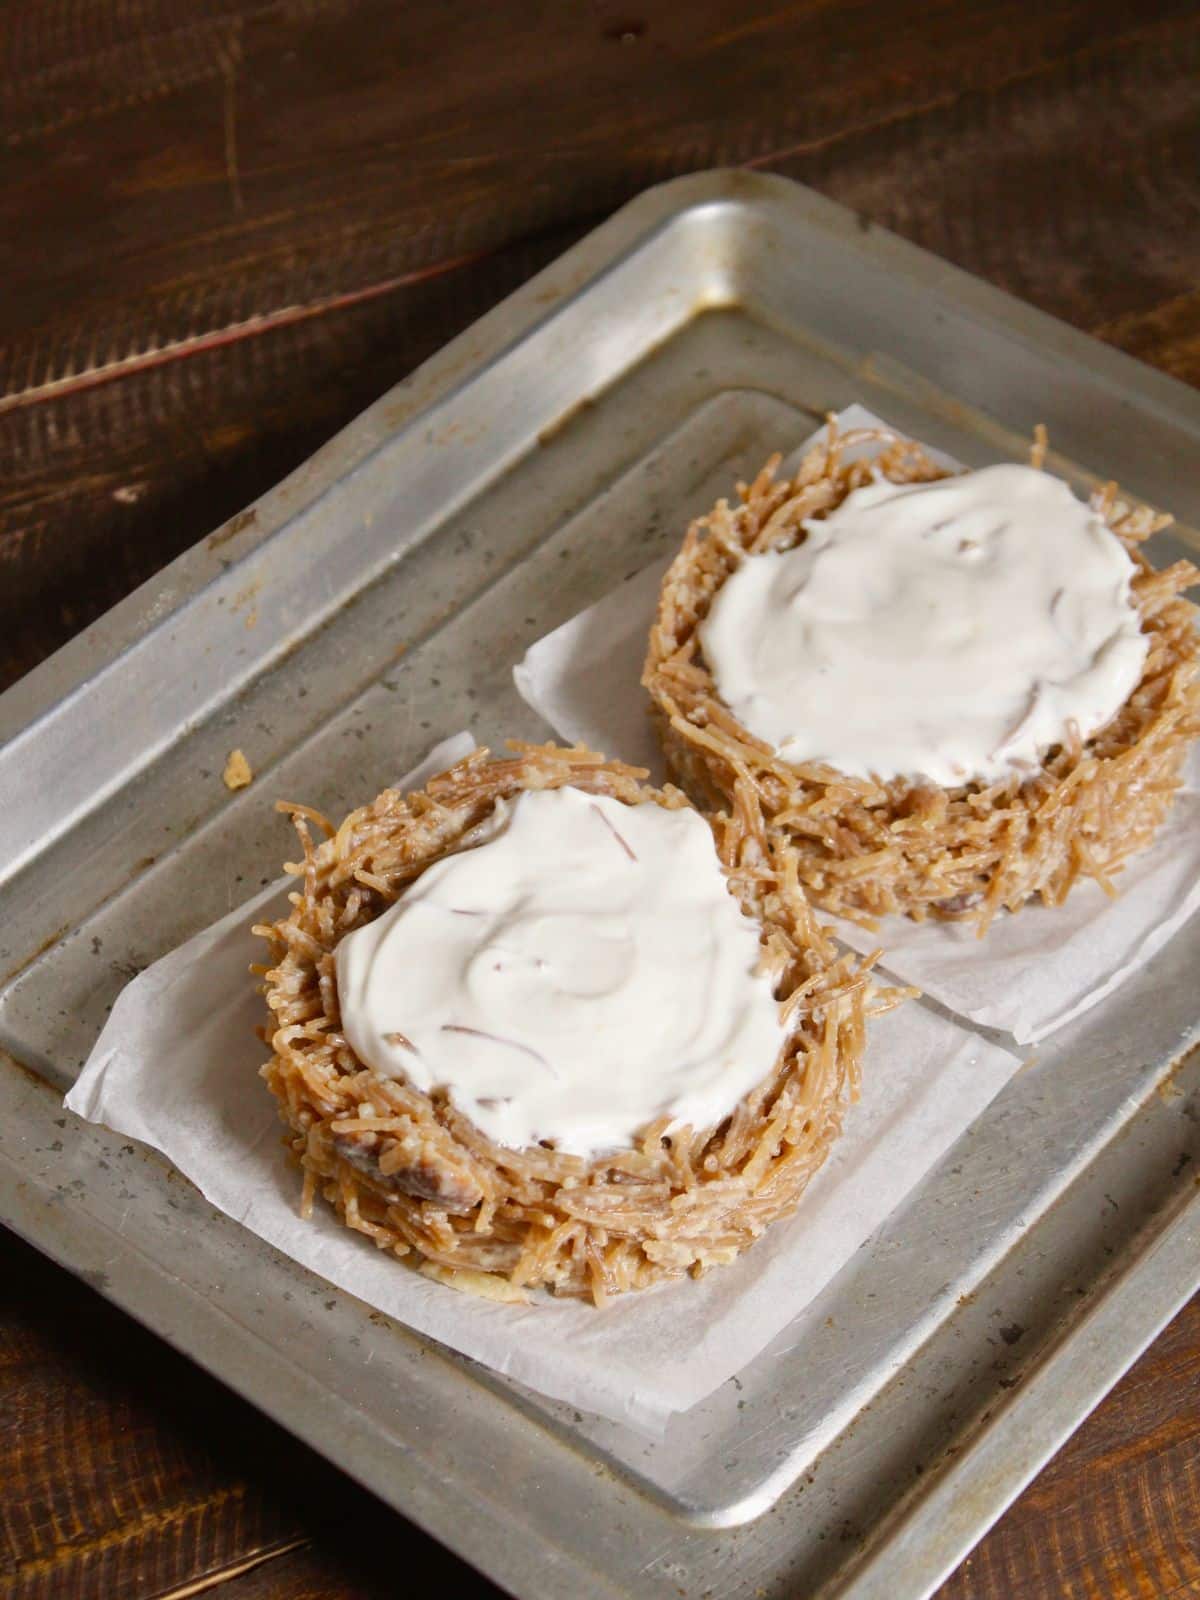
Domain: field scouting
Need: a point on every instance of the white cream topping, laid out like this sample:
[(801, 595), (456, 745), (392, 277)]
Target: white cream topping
[(952, 630), (583, 972)]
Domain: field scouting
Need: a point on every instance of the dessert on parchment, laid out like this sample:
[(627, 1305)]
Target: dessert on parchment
[(538, 1025), (948, 692)]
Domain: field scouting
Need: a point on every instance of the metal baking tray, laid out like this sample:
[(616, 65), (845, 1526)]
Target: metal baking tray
[(377, 600)]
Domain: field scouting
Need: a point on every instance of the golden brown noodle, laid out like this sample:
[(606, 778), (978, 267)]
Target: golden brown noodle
[(865, 848), (413, 1174)]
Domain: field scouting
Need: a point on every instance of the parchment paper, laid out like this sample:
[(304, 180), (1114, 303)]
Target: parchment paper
[(1032, 973), (176, 1067)]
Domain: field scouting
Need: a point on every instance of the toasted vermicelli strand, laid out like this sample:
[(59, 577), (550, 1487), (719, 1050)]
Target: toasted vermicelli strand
[(413, 1174)]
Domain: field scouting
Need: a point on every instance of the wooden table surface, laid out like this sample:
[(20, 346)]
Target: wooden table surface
[(224, 229)]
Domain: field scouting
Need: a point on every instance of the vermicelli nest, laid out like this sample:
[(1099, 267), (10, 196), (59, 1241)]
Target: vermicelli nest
[(413, 1174), (865, 848)]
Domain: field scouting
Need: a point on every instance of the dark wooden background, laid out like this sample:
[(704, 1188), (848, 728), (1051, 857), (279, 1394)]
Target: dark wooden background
[(226, 227)]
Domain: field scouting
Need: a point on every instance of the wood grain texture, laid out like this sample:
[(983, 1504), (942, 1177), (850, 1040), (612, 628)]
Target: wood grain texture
[(209, 166), (1117, 1512), (102, 486), (227, 227), (126, 1473), (232, 341)]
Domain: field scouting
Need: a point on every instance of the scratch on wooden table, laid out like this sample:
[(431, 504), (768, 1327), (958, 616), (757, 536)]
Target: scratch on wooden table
[(237, 1570), (230, 61), (201, 344)]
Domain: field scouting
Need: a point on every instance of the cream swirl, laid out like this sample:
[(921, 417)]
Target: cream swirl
[(951, 630), (582, 972)]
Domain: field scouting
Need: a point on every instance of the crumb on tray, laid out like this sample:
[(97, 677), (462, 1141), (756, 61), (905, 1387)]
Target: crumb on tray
[(237, 772)]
